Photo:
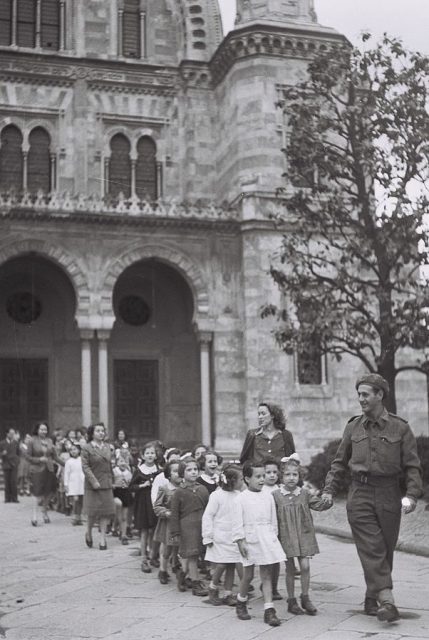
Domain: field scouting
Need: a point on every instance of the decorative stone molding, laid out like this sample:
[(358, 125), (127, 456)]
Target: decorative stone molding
[(115, 76), (60, 204), (195, 75), (262, 40), (171, 256)]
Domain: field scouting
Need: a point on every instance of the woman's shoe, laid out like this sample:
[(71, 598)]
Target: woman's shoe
[(88, 541), (102, 547), (277, 595), (34, 523), (46, 518)]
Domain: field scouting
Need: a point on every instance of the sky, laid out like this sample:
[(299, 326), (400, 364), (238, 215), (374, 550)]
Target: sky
[(407, 19)]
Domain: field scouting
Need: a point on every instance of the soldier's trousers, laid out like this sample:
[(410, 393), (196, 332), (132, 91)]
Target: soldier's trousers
[(374, 514)]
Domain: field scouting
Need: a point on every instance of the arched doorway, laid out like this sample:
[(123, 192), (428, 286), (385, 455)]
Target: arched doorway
[(155, 356), (39, 347)]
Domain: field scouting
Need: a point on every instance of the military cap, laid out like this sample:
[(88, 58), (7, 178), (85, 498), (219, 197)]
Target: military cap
[(374, 380)]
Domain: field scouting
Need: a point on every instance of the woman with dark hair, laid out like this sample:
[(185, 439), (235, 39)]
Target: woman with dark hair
[(271, 438), (98, 503), (41, 455)]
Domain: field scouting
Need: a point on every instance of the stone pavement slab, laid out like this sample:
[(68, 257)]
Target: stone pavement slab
[(52, 587)]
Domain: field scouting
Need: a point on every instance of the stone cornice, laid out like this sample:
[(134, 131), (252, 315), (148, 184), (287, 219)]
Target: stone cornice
[(271, 40), (113, 75)]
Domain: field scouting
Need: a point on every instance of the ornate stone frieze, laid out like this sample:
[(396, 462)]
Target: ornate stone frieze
[(94, 207), (114, 76), (195, 75), (269, 40)]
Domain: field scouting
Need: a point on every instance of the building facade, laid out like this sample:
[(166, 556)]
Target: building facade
[(140, 153)]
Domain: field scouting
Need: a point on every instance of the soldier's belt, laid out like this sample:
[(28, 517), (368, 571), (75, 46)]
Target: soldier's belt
[(374, 480)]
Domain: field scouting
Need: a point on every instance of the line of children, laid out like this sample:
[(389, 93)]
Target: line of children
[(195, 507)]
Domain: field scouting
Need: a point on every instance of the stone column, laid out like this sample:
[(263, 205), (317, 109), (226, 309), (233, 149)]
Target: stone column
[(14, 34), (159, 181), (205, 339), (86, 336), (143, 47), (62, 25), (38, 23), (120, 31), (103, 377)]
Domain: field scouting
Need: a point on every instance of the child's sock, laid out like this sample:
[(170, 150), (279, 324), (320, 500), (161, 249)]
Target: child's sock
[(240, 599), (268, 605), (212, 585), (227, 593)]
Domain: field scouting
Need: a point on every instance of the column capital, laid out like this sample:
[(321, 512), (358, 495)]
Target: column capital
[(103, 334), (205, 337), (86, 334)]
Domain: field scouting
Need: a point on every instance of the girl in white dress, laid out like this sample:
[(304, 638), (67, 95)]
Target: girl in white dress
[(255, 531), (74, 482), (217, 534)]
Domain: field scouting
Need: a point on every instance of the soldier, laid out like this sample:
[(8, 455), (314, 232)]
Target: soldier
[(378, 447)]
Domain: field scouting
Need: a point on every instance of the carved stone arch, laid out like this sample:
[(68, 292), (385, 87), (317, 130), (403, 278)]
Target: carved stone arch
[(58, 256), (15, 121), (170, 256), (110, 133), (44, 124)]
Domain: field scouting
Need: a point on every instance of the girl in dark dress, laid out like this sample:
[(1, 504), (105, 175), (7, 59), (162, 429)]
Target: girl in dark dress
[(144, 515), (209, 465), (187, 507)]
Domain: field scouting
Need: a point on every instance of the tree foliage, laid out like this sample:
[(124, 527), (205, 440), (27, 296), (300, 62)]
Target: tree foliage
[(356, 191)]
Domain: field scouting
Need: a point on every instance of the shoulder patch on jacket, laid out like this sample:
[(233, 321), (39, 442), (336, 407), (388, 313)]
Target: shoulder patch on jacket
[(393, 415), (351, 419)]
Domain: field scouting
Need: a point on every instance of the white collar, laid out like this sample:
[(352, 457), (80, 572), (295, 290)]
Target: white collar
[(285, 492)]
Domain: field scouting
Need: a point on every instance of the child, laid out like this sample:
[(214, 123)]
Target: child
[(74, 481), (217, 534), (122, 495), (296, 531), (187, 507), (144, 515), (162, 508), (255, 531), (64, 454), (198, 450), (209, 463), (171, 455), (272, 473)]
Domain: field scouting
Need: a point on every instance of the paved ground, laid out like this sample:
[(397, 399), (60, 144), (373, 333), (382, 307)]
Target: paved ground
[(53, 588)]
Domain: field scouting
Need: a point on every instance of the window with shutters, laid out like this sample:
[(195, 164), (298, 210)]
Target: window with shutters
[(6, 22), (50, 24), (39, 161), (131, 34), (11, 159), (26, 23), (146, 179), (120, 166)]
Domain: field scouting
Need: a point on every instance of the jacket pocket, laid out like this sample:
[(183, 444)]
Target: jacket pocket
[(359, 448)]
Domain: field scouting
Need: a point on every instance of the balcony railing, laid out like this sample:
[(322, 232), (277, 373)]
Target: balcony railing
[(56, 203)]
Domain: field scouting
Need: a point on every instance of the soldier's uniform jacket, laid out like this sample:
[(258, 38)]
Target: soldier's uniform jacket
[(384, 448)]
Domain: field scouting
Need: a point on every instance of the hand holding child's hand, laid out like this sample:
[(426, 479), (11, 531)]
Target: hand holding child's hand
[(145, 484), (168, 513), (327, 499), (242, 546)]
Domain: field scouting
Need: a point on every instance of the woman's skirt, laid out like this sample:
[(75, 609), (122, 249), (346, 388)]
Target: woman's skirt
[(43, 483), (98, 503)]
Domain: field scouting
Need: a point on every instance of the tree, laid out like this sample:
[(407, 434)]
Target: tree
[(352, 267)]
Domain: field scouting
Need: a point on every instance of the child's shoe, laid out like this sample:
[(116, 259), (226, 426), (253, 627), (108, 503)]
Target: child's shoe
[(270, 617), (181, 580), (293, 607), (198, 588), (124, 540), (163, 577), (229, 600), (241, 610), (145, 566), (308, 606), (214, 597), (154, 562), (277, 595)]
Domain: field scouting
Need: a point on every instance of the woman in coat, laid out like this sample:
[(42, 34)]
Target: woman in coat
[(98, 503), (271, 439), (42, 456)]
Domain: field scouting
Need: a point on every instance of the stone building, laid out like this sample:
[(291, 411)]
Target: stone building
[(140, 152)]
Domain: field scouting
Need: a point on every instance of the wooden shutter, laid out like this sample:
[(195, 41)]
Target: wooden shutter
[(50, 24), (26, 23), (11, 159), (146, 169), (120, 166), (39, 161), (131, 29), (5, 22)]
